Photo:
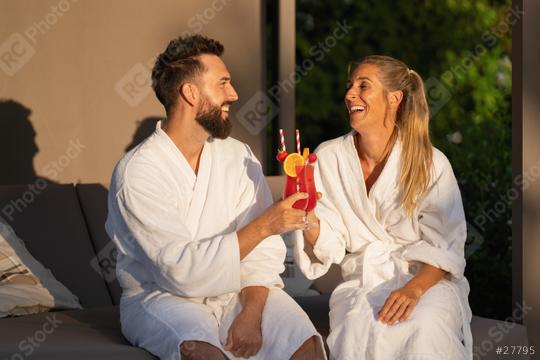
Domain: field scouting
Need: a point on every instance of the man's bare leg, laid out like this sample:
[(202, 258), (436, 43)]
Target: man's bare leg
[(200, 350), (308, 351)]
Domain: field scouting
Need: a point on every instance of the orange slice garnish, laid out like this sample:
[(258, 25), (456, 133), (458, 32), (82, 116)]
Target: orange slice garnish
[(305, 154), (291, 162)]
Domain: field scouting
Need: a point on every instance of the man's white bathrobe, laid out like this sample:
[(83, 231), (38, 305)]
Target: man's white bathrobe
[(178, 254), (380, 249)]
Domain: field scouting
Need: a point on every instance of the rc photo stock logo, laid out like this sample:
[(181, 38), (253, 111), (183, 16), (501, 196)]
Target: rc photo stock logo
[(258, 111), (135, 85), (261, 108), (105, 262), (15, 52), (437, 95)]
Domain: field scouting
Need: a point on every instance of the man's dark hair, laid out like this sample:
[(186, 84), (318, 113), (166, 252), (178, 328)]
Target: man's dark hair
[(179, 63)]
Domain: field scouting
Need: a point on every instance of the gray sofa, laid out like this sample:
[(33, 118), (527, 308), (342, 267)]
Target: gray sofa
[(63, 227)]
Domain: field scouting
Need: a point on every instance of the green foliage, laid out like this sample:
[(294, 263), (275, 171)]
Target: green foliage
[(463, 45)]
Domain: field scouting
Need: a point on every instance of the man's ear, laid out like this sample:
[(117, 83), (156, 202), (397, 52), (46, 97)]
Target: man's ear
[(395, 97), (189, 92)]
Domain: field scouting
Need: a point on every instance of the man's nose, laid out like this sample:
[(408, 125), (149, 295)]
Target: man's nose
[(232, 95)]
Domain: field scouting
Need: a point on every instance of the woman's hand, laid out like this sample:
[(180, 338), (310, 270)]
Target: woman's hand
[(399, 305), (311, 233), (310, 216), (401, 302)]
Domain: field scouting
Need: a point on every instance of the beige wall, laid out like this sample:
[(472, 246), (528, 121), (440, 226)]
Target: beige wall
[(73, 63)]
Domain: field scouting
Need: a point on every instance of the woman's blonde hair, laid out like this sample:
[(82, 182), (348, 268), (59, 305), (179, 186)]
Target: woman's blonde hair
[(412, 120)]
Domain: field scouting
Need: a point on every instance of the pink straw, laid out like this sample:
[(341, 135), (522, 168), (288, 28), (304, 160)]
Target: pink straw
[(298, 141), (282, 140)]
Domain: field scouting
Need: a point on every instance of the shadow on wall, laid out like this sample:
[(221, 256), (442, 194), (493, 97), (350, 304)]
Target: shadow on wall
[(145, 128), (17, 145)]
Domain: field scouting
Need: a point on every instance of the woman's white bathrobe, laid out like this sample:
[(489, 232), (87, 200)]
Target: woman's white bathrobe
[(178, 255), (380, 249)]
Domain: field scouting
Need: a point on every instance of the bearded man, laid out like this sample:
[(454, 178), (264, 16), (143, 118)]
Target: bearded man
[(199, 251)]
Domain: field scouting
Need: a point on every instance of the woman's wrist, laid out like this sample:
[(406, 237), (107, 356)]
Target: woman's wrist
[(419, 290), (425, 278), (312, 233)]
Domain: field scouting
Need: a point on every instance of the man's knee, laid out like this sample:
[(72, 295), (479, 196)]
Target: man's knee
[(308, 351), (199, 350)]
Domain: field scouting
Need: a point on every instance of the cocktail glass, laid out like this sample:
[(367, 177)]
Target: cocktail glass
[(303, 182)]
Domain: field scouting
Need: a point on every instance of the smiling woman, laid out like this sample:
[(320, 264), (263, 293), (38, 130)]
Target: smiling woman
[(463, 50), (391, 216)]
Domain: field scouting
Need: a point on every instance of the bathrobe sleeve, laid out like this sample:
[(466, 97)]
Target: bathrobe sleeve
[(262, 266), (442, 224), (333, 236), (147, 227)]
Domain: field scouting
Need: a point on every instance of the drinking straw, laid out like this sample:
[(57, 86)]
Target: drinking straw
[(298, 141), (282, 140)]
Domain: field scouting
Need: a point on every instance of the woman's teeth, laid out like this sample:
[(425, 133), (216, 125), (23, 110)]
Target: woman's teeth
[(356, 109)]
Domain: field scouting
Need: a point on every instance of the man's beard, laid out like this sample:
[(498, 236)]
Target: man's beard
[(209, 117)]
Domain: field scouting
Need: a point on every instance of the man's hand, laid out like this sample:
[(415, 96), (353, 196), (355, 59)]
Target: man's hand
[(245, 335), (282, 217), (279, 218)]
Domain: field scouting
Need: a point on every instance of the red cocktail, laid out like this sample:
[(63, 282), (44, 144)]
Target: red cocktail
[(299, 170), (302, 182)]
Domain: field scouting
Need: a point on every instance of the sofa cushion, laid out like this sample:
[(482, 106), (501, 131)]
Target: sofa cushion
[(49, 221), (80, 334), (317, 308), (93, 200), (26, 287)]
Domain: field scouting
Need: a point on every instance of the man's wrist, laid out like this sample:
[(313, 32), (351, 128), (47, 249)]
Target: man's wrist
[(254, 231), (254, 299), (254, 310), (261, 229)]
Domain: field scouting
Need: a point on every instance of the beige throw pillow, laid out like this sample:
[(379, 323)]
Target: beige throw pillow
[(26, 286)]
